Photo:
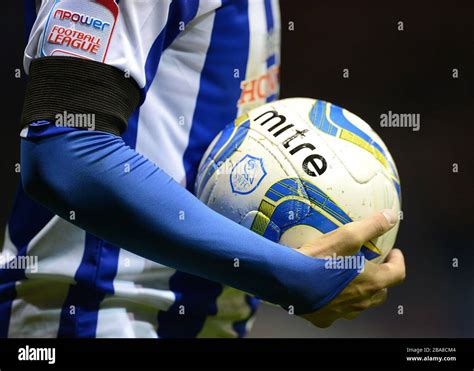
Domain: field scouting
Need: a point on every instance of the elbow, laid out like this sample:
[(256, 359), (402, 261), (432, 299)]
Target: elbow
[(33, 184), (60, 171), (34, 173)]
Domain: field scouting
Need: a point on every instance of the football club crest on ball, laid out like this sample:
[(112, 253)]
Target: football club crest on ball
[(247, 174)]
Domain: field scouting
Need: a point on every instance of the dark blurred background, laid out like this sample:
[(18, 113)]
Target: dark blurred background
[(409, 71)]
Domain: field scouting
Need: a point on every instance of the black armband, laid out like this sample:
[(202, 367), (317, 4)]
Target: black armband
[(65, 86)]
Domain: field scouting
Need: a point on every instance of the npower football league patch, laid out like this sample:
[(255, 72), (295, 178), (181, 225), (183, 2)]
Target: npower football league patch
[(81, 29)]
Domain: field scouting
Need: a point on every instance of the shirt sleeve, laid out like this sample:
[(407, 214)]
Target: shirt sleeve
[(121, 35), (139, 211)]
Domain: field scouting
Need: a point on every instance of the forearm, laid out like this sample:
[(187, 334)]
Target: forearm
[(120, 196)]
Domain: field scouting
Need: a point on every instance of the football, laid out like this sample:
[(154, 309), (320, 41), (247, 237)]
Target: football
[(297, 168)]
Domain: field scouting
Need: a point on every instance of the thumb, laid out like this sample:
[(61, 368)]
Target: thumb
[(347, 240)]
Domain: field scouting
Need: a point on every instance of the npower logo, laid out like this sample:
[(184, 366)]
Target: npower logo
[(66, 15)]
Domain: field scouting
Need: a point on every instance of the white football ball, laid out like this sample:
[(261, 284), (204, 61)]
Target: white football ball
[(297, 168)]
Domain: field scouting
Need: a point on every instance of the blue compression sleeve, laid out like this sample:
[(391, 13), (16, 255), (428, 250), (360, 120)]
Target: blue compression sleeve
[(68, 169)]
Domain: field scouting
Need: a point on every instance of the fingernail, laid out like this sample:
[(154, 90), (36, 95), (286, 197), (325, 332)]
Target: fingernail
[(391, 216)]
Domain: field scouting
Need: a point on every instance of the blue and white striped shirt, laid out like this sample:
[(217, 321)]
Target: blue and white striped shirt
[(200, 64)]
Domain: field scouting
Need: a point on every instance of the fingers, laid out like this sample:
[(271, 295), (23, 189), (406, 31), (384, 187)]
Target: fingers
[(393, 271), (376, 277), (367, 290), (322, 323), (348, 239), (352, 315), (322, 318), (377, 299)]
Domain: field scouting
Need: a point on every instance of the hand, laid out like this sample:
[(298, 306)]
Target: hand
[(369, 288)]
